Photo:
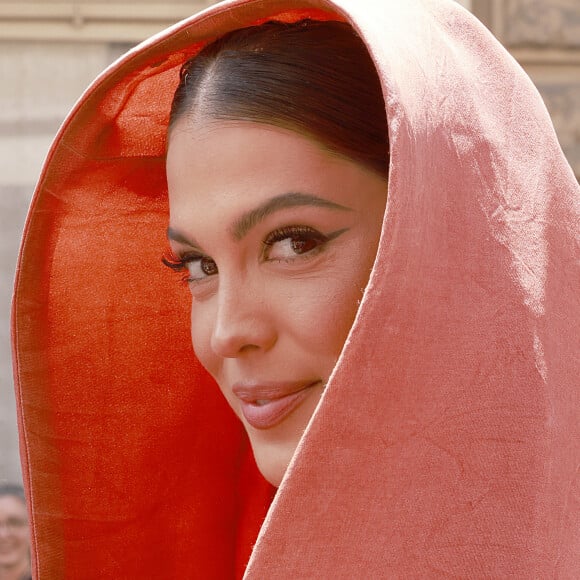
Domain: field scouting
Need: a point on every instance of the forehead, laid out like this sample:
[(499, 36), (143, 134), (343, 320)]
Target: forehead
[(240, 148), (239, 164), (12, 505)]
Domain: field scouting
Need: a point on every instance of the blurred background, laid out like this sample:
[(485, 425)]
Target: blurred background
[(51, 50)]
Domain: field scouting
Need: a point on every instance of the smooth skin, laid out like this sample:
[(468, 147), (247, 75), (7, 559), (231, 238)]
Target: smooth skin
[(277, 236)]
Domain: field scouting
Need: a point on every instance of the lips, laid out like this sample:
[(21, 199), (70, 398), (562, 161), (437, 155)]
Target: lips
[(264, 406)]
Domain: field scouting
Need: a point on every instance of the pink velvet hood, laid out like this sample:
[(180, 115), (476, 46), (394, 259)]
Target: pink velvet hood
[(447, 443)]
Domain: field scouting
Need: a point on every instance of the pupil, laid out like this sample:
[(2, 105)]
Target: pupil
[(208, 266), (302, 246)]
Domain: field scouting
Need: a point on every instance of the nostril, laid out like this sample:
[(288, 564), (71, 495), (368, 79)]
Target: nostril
[(249, 348), (233, 344), (242, 336)]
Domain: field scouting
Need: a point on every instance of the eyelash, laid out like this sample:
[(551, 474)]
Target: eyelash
[(303, 233), (179, 263), (170, 260)]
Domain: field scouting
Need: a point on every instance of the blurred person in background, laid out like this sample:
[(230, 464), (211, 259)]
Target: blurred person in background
[(14, 534)]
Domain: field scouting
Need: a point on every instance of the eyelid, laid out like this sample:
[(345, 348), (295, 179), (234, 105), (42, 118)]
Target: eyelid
[(172, 261), (284, 232), (307, 231), (179, 262)]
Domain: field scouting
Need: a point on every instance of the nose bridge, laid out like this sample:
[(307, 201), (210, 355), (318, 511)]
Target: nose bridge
[(242, 320)]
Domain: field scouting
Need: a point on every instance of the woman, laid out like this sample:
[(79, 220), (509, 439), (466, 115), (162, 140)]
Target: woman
[(14, 534), (441, 439), (301, 180)]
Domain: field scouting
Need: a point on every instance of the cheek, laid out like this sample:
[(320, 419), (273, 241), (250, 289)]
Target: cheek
[(341, 312), (335, 302), (320, 314)]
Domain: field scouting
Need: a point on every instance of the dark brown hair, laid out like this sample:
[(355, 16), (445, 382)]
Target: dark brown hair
[(312, 77)]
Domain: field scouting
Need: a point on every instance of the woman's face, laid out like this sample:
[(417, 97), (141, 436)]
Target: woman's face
[(14, 535), (277, 237)]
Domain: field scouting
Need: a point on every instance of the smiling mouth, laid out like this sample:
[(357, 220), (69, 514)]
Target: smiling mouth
[(265, 406)]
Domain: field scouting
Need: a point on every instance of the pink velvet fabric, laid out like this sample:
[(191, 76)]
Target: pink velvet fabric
[(447, 443)]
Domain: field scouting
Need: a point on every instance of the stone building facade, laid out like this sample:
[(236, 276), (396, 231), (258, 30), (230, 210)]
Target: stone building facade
[(544, 37), (51, 49)]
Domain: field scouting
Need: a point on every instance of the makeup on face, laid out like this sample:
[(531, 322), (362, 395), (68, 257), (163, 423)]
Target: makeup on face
[(275, 237), (263, 406)]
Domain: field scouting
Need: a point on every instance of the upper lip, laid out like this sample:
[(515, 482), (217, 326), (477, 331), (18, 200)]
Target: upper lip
[(252, 391)]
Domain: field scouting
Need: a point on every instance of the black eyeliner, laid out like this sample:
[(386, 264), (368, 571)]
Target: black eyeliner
[(334, 235)]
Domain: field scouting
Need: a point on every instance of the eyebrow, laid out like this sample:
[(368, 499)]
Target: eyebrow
[(253, 217)]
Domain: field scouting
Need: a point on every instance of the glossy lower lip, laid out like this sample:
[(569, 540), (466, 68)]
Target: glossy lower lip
[(264, 406)]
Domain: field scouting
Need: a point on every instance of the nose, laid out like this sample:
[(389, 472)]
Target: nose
[(243, 322)]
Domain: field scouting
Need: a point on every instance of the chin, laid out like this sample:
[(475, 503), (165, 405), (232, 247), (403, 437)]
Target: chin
[(273, 475), (273, 459), (274, 448)]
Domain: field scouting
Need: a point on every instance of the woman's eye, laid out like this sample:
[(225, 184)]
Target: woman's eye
[(200, 268), (289, 242)]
